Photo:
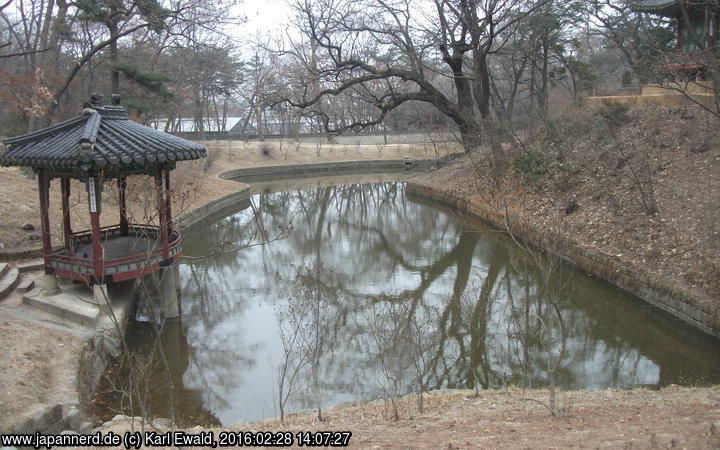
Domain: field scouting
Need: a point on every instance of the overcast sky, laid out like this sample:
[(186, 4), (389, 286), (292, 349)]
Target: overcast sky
[(264, 16)]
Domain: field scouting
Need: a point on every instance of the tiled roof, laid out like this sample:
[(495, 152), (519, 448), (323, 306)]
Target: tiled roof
[(103, 136), (663, 7)]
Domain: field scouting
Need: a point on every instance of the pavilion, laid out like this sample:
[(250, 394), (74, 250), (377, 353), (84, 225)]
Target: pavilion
[(683, 76), (697, 27), (97, 147)]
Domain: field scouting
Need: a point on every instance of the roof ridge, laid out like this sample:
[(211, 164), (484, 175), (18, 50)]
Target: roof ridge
[(92, 126)]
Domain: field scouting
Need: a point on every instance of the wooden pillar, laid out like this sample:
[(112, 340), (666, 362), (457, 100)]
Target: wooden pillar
[(122, 186), (94, 204), (44, 190), (680, 31), (712, 39), (168, 201), (67, 227), (160, 182)]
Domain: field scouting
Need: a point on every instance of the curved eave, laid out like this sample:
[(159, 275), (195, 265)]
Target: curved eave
[(110, 141), (666, 8)]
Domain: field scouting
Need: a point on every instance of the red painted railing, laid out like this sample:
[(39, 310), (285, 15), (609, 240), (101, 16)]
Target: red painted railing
[(146, 261)]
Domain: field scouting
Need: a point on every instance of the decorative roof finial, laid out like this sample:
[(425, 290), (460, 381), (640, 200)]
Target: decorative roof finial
[(96, 99), (116, 99)]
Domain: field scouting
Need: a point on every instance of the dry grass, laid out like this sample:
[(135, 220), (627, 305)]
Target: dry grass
[(28, 377), (510, 419), (672, 417)]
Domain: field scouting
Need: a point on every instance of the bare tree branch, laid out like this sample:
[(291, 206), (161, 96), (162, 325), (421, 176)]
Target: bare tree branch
[(29, 52)]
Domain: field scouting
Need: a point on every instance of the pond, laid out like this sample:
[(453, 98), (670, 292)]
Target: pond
[(360, 291)]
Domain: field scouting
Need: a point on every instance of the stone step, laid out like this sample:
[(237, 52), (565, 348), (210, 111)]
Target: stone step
[(8, 280), (65, 306), (3, 268), (28, 266), (26, 285)]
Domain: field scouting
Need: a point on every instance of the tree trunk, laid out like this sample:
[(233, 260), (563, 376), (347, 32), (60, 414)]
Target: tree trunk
[(198, 112), (473, 137), (112, 25), (542, 101), (258, 121)]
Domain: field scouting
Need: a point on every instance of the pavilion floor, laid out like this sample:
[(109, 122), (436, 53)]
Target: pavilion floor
[(119, 247)]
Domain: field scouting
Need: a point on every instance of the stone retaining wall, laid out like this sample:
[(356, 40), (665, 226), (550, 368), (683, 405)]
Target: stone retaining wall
[(335, 167), (653, 291), (98, 349), (196, 215)]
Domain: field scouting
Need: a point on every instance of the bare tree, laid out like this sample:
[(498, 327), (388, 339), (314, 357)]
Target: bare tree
[(640, 38), (423, 341), (387, 322), (538, 260), (53, 43), (388, 53), (258, 80), (678, 62), (293, 360), (539, 318), (637, 162), (318, 339)]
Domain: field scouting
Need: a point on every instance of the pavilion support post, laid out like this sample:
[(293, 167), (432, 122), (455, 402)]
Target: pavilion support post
[(94, 204), (680, 31), (168, 202), (122, 201), (169, 300), (67, 226), (160, 182), (44, 190)]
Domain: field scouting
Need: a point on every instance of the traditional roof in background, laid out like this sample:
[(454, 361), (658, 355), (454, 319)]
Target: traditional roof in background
[(670, 8), (663, 7), (104, 137)]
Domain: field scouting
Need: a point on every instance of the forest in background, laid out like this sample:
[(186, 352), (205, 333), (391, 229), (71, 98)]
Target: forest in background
[(477, 67)]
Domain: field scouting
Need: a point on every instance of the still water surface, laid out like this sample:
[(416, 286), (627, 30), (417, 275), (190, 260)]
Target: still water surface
[(388, 293)]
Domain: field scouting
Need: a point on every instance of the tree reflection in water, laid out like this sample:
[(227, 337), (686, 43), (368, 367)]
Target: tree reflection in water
[(418, 299)]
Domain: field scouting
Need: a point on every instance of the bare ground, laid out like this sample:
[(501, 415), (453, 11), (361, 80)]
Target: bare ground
[(671, 418), (39, 361), (674, 417)]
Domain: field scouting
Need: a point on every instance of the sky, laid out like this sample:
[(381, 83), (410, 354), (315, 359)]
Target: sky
[(264, 16)]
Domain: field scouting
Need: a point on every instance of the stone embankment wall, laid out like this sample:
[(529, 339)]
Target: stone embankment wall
[(329, 168), (679, 304)]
